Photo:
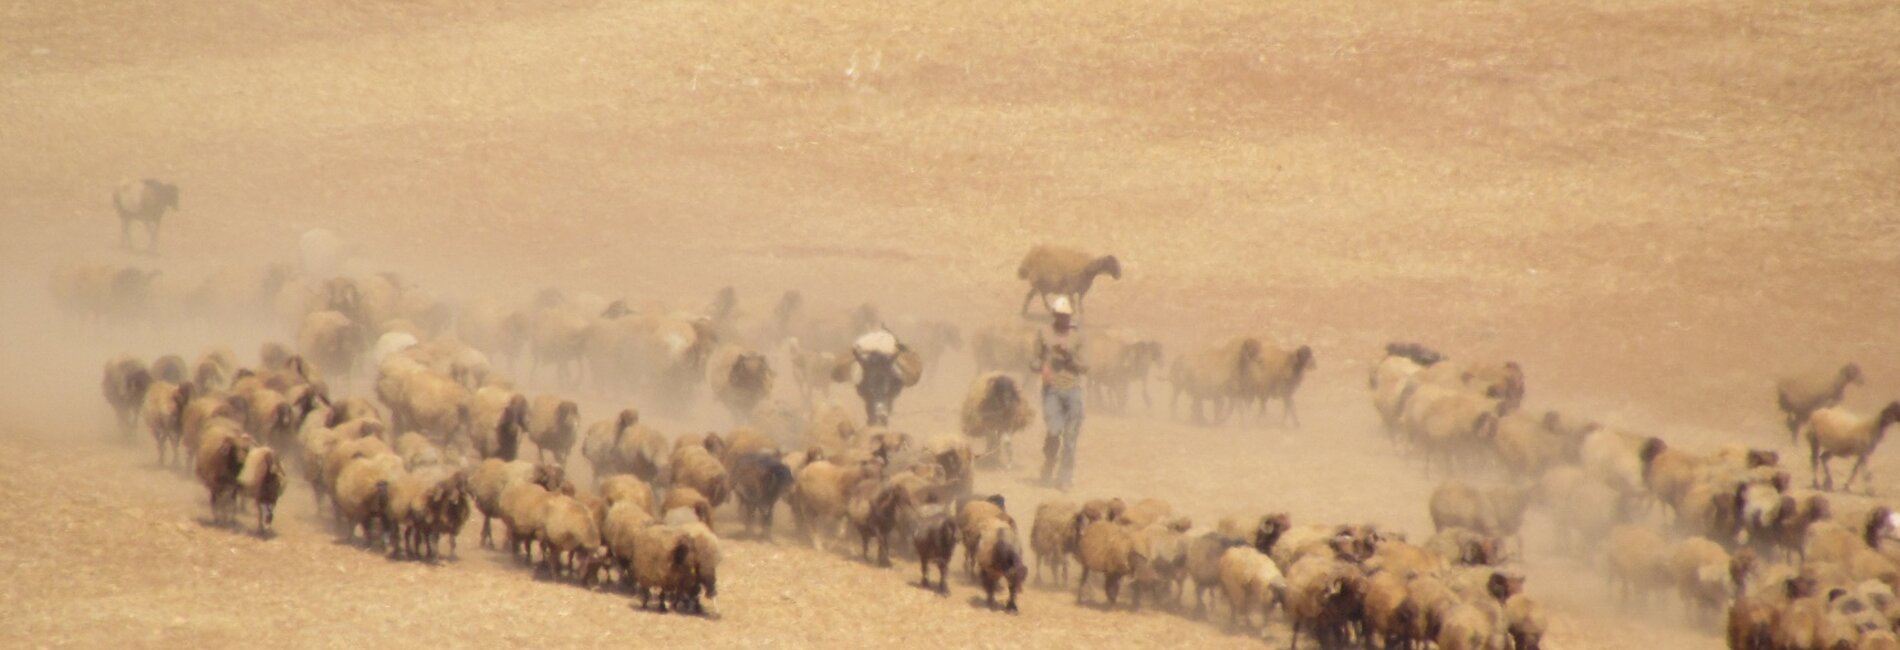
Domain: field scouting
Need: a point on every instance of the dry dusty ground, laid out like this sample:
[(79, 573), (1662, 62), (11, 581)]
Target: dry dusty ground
[(1654, 207)]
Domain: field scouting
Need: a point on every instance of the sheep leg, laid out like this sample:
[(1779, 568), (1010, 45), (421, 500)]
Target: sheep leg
[(1858, 464), (1112, 585), (125, 233), (1292, 412), (1082, 586), (151, 236)]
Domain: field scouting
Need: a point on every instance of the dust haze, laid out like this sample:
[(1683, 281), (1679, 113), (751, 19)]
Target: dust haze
[(1655, 208)]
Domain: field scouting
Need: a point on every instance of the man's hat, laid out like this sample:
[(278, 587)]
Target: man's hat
[(1061, 306)]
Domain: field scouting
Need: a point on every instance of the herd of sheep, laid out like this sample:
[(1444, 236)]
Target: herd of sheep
[(393, 407)]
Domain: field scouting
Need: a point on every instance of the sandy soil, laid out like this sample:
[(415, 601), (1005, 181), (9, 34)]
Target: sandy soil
[(1654, 207)]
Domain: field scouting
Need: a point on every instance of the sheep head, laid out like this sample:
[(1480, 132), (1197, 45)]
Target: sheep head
[(1106, 264), (567, 416), (1268, 531), (165, 193), (1850, 374)]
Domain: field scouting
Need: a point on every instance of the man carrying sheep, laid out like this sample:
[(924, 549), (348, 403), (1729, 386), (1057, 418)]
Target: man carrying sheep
[(1059, 360)]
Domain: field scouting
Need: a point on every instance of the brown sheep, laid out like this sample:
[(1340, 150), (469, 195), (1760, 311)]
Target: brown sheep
[(615, 490), (1835, 432), (1116, 360), (332, 343), (1799, 396), (740, 379), (1527, 445), (1062, 271), (1449, 424), (821, 491), (164, 411), (219, 460), (1322, 595), (1503, 382), (1284, 371), (935, 540), (601, 447), (202, 410), (498, 418), (362, 498), (833, 430), (494, 476), (553, 423), (1110, 549), (1700, 569), (697, 468), (1052, 536), (570, 538), (685, 498), (524, 516), (124, 385), (999, 559), (213, 371), (660, 559), (261, 479), (875, 511), (1525, 622), (1638, 565), (1249, 578), (953, 455), (759, 479), (1497, 511), (1218, 375), (970, 517), (994, 410)]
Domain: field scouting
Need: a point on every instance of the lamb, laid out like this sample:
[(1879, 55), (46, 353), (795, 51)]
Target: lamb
[(935, 540), (332, 342), (1322, 594), (164, 411), (875, 511), (124, 385), (553, 424), (261, 479), (1249, 578), (994, 410), (1053, 537), (1285, 371), (1835, 432), (759, 479), (740, 379), (220, 458), (498, 418), (1799, 396), (1110, 549), (494, 476), (145, 201), (570, 538), (1216, 375), (362, 498), (697, 468), (999, 559), (1062, 271)]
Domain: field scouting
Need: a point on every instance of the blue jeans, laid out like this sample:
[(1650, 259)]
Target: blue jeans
[(1062, 413)]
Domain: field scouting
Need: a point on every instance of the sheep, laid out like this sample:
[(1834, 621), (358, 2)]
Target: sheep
[(145, 201), (934, 538), (1586, 514), (1527, 445), (1110, 549), (273, 418), (553, 424), (1615, 458), (1503, 382), (524, 516), (740, 379), (498, 418), (759, 479), (1700, 569), (660, 557), (1525, 622), (219, 459), (601, 447), (494, 476), (685, 498), (202, 410), (1832, 432), (1062, 271), (970, 517), (164, 410), (1799, 396), (1637, 563), (953, 455), (1467, 626), (362, 497), (124, 385), (1249, 578), (1789, 528), (1284, 371), (1461, 546), (1115, 360), (702, 568), (699, 469), (570, 538), (261, 479), (994, 410), (1496, 511), (332, 342), (832, 429), (422, 400), (1144, 513), (874, 511), (820, 493), (439, 511), (1449, 423), (1052, 536), (1322, 594), (1216, 374), (999, 559)]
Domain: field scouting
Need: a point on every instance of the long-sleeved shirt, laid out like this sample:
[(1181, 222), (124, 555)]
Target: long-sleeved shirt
[(1059, 359)]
